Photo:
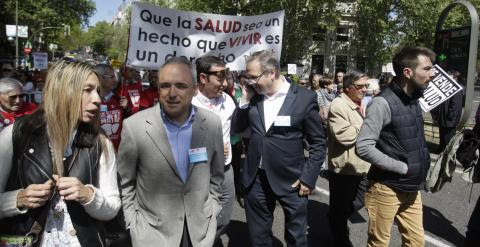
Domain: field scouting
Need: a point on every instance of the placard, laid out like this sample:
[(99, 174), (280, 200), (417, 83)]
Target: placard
[(157, 34), (441, 88), (40, 60)]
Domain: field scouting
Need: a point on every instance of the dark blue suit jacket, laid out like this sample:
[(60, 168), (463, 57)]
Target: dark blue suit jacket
[(281, 148)]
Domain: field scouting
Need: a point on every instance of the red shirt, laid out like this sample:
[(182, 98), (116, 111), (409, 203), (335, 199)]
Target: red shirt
[(132, 92), (148, 98), (9, 117), (111, 117)]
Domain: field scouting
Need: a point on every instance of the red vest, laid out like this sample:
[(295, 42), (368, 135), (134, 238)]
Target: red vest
[(111, 117), (132, 92), (148, 98), (9, 117)]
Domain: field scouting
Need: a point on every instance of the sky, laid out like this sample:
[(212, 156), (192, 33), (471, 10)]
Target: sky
[(106, 10)]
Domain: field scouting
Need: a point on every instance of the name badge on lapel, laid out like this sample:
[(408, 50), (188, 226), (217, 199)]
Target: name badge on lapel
[(282, 121), (197, 155)]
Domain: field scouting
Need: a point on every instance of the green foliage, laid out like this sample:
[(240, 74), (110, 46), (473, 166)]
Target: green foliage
[(37, 14), (383, 26)]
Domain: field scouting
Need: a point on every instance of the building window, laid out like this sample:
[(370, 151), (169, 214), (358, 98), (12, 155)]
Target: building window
[(317, 64), (361, 63), (319, 34), (340, 63), (342, 34)]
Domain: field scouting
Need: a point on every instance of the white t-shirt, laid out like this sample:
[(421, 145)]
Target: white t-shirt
[(223, 106)]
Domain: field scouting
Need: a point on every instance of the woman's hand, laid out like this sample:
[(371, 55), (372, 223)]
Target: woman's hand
[(73, 190), (35, 195)]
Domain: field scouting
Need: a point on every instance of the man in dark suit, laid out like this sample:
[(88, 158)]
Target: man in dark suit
[(280, 115)]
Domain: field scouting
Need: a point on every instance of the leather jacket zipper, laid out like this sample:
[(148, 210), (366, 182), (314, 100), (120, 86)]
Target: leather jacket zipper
[(39, 167)]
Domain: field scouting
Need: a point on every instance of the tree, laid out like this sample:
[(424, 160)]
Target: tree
[(384, 26), (37, 14), (99, 37), (74, 41)]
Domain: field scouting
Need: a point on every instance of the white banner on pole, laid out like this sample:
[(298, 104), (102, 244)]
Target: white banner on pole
[(157, 34), (40, 60), (441, 88), (11, 31)]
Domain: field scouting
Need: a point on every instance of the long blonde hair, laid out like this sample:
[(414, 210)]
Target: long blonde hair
[(62, 102)]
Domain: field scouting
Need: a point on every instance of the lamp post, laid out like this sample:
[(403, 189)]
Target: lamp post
[(16, 33)]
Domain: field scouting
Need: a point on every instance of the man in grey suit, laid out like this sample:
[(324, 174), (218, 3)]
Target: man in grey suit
[(171, 163)]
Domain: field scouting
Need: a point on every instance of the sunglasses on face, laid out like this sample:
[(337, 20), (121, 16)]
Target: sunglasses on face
[(221, 75)]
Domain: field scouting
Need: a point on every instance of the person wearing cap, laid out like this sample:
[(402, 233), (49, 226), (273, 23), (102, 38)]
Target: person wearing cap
[(12, 103)]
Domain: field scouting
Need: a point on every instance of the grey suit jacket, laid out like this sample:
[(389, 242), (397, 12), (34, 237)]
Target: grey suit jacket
[(155, 200)]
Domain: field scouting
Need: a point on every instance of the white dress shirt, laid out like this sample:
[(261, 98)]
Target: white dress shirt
[(223, 106), (272, 104)]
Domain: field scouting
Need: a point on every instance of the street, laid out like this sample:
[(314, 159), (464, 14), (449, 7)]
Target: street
[(446, 215)]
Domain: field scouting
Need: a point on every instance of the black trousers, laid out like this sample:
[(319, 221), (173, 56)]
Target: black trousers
[(473, 230), (259, 206), (347, 195), (186, 242), (446, 134), (237, 151)]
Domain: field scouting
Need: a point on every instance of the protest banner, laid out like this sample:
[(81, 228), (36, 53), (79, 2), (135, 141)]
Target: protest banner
[(40, 60), (157, 34), (440, 88)]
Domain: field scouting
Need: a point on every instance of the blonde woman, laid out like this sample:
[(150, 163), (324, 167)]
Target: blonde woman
[(57, 169)]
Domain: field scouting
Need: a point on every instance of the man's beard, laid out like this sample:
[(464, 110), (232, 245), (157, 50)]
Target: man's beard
[(418, 88)]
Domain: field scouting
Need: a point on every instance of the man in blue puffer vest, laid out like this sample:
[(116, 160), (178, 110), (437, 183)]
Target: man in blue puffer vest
[(392, 140)]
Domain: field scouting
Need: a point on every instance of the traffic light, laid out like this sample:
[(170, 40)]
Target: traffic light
[(66, 30)]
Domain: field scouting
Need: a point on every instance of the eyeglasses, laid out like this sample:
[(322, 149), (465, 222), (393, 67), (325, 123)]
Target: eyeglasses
[(253, 79), (221, 75), (14, 97), (360, 86)]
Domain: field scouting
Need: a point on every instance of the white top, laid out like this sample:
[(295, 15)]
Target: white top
[(272, 104), (223, 106), (106, 199)]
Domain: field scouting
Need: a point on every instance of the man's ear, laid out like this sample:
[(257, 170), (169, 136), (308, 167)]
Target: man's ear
[(203, 79), (408, 73)]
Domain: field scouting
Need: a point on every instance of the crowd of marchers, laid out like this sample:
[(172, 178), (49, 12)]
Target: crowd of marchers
[(158, 158)]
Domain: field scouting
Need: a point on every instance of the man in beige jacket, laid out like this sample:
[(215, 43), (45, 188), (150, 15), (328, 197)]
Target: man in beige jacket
[(347, 172)]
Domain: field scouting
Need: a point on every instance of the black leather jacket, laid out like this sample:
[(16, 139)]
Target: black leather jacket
[(32, 164)]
